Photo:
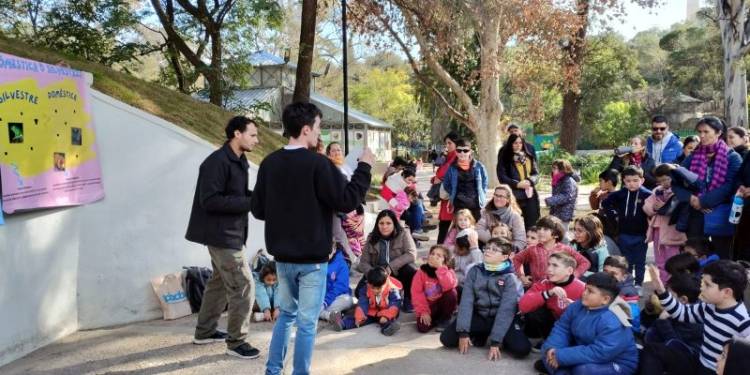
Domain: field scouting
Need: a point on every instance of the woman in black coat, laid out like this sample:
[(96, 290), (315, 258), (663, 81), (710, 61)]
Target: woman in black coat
[(517, 167)]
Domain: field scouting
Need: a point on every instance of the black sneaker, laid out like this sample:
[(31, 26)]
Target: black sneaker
[(442, 326), (218, 336), (407, 307), (537, 348), (244, 351), (391, 328), (539, 366), (337, 321)]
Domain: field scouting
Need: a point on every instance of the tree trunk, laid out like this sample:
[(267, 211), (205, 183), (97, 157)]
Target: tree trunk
[(569, 130), (490, 108), (214, 76), (732, 25), (306, 50), (570, 126)]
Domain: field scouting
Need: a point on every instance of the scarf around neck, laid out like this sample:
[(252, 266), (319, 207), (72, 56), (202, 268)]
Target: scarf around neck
[(699, 164), (556, 177), (503, 214), (636, 159), (497, 267)]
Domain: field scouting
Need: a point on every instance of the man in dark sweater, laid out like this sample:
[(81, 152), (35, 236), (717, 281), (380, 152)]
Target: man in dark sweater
[(219, 220), (296, 194)]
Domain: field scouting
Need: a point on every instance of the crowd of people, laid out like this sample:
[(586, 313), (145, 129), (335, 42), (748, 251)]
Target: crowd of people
[(502, 275)]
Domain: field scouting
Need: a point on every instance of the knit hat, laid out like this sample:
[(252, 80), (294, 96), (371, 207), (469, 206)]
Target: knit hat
[(605, 282)]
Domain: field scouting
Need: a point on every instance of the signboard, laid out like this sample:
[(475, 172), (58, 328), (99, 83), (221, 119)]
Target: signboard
[(48, 154)]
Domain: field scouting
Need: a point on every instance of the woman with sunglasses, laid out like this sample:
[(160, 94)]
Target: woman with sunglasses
[(517, 168), (465, 183)]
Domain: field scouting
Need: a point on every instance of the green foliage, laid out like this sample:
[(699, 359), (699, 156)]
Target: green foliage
[(694, 59), (389, 95), (619, 122), (587, 166), (652, 60)]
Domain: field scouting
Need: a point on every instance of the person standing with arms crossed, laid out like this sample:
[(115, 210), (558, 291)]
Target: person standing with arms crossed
[(219, 220), (296, 194)]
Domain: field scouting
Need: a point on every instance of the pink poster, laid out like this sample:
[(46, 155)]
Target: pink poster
[(48, 154)]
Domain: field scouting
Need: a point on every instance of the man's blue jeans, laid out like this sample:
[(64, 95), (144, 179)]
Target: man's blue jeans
[(302, 288)]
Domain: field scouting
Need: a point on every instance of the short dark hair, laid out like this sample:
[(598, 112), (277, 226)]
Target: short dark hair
[(604, 282), (512, 126), (617, 261), (399, 161), (659, 118), (506, 247), (453, 136), (554, 224), (377, 276), (690, 139), (682, 263), (408, 172), (728, 274), (463, 142), (532, 228), (664, 169), (738, 130), (237, 123), (685, 285), (611, 175), (267, 269), (631, 170), (298, 115), (699, 244)]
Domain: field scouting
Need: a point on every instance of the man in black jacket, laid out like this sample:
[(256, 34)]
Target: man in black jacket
[(219, 220), (296, 194)]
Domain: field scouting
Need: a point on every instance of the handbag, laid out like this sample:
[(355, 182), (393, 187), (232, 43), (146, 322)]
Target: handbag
[(434, 194), (716, 222)]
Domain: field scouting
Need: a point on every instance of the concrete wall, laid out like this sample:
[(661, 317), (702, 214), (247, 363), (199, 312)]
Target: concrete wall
[(89, 266)]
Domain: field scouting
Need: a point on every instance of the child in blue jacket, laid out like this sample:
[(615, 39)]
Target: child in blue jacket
[(590, 338), (266, 289), (338, 294)]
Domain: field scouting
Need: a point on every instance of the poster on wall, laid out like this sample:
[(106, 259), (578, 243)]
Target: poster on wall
[(48, 154)]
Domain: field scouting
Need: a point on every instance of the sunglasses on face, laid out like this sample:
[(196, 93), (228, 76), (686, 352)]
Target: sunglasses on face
[(658, 129), (463, 150)]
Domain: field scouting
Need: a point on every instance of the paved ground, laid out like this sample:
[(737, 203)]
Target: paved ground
[(161, 347)]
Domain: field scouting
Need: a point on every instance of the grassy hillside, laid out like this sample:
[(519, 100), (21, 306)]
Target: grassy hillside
[(203, 119)]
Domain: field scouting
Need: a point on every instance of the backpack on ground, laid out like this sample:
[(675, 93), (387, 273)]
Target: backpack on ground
[(196, 279)]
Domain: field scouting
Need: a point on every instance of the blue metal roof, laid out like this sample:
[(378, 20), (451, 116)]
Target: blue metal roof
[(263, 58), (356, 116)]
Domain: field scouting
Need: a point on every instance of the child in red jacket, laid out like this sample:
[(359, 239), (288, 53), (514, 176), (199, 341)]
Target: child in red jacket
[(433, 290), (379, 302), (546, 300)]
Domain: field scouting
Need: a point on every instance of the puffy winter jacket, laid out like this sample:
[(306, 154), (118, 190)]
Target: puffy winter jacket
[(337, 279), (562, 202), (584, 336)]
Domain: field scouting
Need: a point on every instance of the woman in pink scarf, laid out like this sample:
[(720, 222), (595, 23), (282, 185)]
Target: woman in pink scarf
[(717, 166)]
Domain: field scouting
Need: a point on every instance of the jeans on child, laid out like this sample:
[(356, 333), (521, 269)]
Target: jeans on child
[(634, 248), (416, 216), (301, 293)]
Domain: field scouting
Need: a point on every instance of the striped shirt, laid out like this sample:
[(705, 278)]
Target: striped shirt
[(719, 325)]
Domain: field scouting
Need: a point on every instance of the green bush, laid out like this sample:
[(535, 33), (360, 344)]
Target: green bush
[(587, 166)]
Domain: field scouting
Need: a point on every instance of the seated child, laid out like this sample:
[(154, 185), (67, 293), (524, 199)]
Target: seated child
[(722, 286), (607, 183), (546, 300), (532, 237), (551, 232), (338, 294), (433, 290), (502, 230), (466, 254), (617, 266), (700, 249), (683, 263), (488, 306), (668, 342), (588, 239), (379, 302), (463, 224), (394, 193), (589, 338), (265, 292)]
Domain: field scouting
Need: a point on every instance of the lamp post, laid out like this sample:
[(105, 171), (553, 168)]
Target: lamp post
[(346, 78)]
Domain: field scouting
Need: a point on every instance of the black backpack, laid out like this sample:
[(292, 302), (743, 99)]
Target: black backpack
[(195, 283)]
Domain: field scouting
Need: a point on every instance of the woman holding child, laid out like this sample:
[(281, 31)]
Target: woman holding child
[(502, 208), (391, 247), (717, 167)]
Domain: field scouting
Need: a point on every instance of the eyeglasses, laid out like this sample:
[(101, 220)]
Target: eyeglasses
[(492, 249), (658, 129), (500, 196), (462, 150)]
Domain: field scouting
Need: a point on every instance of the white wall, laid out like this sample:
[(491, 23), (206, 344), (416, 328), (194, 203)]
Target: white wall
[(89, 266)]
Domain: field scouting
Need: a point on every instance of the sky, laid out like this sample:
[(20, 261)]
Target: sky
[(640, 19)]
